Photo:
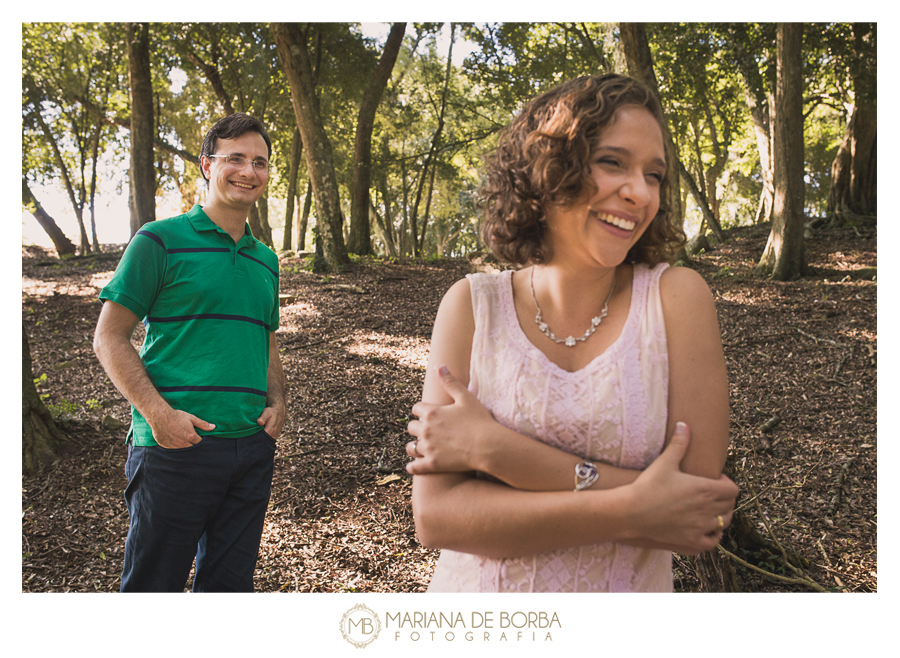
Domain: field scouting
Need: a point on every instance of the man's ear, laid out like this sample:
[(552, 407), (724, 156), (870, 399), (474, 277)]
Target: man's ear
[(204, 166)]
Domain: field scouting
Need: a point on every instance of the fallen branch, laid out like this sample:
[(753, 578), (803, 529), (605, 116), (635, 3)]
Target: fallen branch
[(41, 490), (829, 566), (837, 371), (819, 340), (838, 484), (770, 424), (802, 577), (768, 574)]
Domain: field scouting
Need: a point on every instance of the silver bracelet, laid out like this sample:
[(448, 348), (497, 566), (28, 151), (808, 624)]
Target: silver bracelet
[(585, 475)]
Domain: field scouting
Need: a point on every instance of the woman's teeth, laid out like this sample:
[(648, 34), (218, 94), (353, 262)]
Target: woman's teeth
[(616, 221)]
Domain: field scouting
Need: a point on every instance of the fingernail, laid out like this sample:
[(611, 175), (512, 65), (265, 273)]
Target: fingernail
[(680, 428), (443, 370)]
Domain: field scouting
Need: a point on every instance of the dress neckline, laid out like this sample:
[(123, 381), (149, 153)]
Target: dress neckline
[(511, 319)]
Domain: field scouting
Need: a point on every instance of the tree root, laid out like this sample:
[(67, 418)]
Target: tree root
[(802, 580), (716, 571)]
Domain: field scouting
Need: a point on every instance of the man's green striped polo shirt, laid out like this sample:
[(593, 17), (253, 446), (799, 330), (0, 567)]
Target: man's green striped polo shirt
[(208, 306)]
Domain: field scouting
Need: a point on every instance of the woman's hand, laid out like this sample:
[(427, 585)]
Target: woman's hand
[(449, 437), (673, 508)]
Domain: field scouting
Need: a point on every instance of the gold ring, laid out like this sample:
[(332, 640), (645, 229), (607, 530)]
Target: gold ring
[(721, 522)]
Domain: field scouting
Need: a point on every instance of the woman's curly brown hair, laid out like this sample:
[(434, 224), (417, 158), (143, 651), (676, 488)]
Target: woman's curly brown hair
[(544, 158)]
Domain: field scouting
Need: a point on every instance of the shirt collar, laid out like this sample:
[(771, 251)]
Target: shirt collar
[(201, 222)]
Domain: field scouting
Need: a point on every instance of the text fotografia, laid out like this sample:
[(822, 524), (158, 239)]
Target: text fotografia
[(478, 626)]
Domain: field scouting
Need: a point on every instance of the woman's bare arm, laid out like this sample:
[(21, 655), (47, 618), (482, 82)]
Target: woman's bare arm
[(455, 510), (698, 383)]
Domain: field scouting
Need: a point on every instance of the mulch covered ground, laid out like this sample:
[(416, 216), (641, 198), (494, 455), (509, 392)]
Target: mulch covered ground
[(354, 348)]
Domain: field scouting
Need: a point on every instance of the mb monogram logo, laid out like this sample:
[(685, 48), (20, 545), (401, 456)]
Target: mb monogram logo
[(360, 626)]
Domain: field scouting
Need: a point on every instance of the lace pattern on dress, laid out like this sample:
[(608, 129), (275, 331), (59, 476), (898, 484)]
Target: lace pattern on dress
[(613, 410)]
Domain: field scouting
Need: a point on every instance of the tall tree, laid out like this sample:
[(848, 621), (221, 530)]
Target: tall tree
[(76, 198), (241, 53), (429, 168), (210, 66), (640, 66), (62, 139), (360, 240), (705, 108), (747, 42), (784, 256), (142, 172), (64, 246), (290, 39), (853, 173), (287, 242)]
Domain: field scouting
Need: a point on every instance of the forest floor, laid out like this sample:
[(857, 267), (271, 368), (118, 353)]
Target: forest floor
[(354, 348)]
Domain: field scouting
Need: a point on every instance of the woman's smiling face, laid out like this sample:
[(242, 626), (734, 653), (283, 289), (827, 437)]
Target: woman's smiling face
[(628, 165)]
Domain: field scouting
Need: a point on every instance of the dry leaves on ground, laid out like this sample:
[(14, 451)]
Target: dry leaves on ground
[(354, 347)]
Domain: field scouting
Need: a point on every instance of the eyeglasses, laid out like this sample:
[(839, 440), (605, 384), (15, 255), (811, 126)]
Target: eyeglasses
[(240, 161)]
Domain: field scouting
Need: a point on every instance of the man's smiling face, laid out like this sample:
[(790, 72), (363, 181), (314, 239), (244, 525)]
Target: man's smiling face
[(232, 186)]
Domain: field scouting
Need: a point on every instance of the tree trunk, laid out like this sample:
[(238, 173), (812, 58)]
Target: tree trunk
[(386, 236), (84, 244), (853, 173), (784, 257), (143, 174), (758, 102), (291, 45), (210, 69), (640, 66), (287, 241), (427, 212), (64, 246), (587, 42), (304, 219), (95, 151), (40, 435), (388, 227), (360, 234), (259, 222), (702, 201), (404, 220), (418, 238)]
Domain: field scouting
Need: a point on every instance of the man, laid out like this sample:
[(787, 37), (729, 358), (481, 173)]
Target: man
[(207, 390)]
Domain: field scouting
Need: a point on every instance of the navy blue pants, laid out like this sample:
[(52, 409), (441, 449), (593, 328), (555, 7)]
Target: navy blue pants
[(208, 500)]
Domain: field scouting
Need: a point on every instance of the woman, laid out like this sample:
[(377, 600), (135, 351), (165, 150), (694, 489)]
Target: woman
[(574, 192)]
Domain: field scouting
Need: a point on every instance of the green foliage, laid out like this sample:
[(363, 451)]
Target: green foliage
[(71, 77), (75, 78), (63, 409)]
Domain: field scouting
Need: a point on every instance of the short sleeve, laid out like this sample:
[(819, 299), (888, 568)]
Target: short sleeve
[(274, 318), (139, 275)]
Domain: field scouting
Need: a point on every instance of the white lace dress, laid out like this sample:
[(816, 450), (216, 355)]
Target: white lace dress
[(613, 410)]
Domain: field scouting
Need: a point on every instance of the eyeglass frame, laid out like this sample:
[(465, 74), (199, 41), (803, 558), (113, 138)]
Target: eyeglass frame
[(229, 159)]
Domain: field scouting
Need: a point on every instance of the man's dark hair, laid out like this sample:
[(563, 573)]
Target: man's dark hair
[(232, 127)]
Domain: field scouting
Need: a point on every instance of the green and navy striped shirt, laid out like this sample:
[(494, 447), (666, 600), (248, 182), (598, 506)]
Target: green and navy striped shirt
[(208, 306)]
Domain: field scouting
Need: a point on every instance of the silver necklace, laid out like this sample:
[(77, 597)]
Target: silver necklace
[(571, 340)]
